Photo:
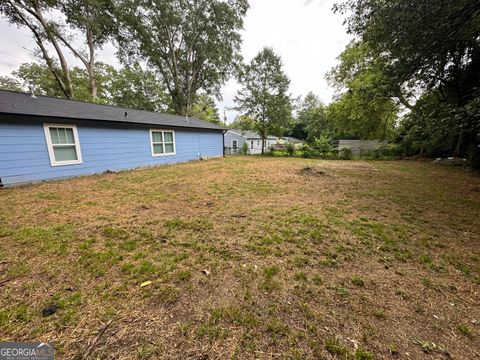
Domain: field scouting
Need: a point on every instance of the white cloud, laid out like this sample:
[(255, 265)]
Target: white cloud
[(305, 33)]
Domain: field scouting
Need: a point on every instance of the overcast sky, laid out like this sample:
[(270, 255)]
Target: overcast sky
[(305, 33)]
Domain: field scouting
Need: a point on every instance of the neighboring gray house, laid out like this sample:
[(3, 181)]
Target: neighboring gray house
[(234, 140)]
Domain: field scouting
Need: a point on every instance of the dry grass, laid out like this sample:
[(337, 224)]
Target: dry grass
[(357, 260)]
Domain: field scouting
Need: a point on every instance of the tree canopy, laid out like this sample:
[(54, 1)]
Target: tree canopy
[(193, 44), (54, 35), (428, 55), (264, 93), (130, 87)]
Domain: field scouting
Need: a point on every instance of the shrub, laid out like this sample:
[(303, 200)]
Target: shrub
[(322, 146), (244, 149), (290, 149), (307, 151), (270, 151), (346, 154)]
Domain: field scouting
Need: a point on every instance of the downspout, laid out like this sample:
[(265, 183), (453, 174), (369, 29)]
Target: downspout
[(223, 140)]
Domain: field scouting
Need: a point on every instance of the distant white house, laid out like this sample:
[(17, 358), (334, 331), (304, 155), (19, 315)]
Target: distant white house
[(234, 140)]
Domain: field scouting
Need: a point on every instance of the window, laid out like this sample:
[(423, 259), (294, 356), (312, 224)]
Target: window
[(251, 144), (234, 144), (258, 142), (163, 142), (63, 144)]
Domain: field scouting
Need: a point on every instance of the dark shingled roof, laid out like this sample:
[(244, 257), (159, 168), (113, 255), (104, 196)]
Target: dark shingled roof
[(24, 104)]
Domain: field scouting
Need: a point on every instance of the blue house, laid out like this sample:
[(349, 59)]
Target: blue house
[(44, 138)]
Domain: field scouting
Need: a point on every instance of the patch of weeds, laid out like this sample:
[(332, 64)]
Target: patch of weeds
[(358, 281), (465, 329), (86, 245), (99, 262), (128, 268), (335, 348), (361, 354), (215, 326), (148, 350), (393, 349), (196, 225), (114, 233), (402, 294), (432, 265), (300, 276), (368, 332), (17, 270), (269, 283), (427, 283), (428, 346), (233, 315), (68, 317), (23, 313), (379, 313), (212, 331), (183, 275), (328, 262), (55, 239), (317, 280), (128, 245), (303, 291), (139, 255), (273, 239), (340, 290), (301, 261), (167, 294), (277, 328), (146, 267)]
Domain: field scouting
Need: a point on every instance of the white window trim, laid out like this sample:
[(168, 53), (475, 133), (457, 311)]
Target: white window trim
[(236, 142), (174, 142), (51, 154)]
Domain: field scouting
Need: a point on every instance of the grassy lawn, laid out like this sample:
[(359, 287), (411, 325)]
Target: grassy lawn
[(248, 257)]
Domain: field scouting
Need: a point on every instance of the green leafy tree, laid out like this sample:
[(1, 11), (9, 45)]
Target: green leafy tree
[(431, 48), (30, 14), (369, 104), (9, 83), (134, 87), (55, 24), (44, 82), (311, 117), (355, 115), (130, 87), (95, 21), (204, 108), (263, 95), (243, 122), (193, 44)]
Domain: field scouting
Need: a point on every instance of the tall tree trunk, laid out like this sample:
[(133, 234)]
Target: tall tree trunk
[(63, 62), (90, 66), (456, 152), (62, 78)]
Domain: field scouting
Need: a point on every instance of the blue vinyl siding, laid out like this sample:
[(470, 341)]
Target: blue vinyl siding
[(24, 154)]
